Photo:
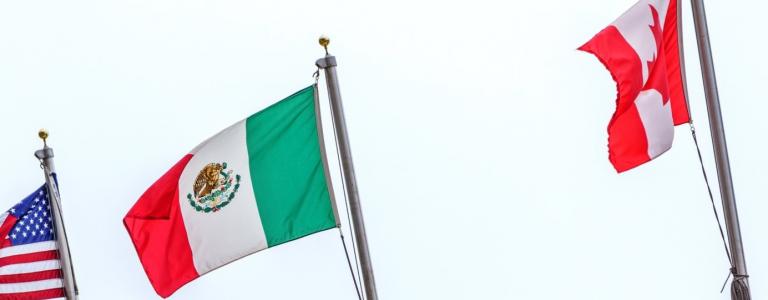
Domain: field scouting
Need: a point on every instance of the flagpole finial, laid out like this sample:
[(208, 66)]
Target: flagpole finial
[(324, 40), (43, 134)]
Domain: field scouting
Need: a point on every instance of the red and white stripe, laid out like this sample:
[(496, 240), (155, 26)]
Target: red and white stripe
[(30, 271)]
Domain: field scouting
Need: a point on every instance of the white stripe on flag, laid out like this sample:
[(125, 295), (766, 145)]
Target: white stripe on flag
[(3, 217), (23, 287), (28, 248), (37, 266), (657, 121)]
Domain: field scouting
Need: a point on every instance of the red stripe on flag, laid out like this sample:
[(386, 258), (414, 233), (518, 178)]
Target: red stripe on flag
[(5, 229), (673, 59), (34, 276), (627, 142), (157, 230), (44, 294), (29, 257)]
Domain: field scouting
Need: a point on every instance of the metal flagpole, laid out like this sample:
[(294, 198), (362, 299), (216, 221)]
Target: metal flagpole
[(45, 156), (328, 64), (740, 285)]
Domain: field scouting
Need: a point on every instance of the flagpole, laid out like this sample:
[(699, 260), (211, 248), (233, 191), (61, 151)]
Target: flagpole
[(740, 285), (45, 156), (328, 64)]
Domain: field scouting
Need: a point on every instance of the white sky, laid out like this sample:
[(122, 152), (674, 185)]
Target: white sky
[(478, 133)]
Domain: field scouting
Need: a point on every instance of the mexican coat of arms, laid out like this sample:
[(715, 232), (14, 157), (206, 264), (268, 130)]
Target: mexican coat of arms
[(214, 188)]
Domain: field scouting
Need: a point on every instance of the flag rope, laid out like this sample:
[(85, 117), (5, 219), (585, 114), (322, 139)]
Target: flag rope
[(349, 263), (357, 278), (714, 207), (52, 185), (739, 288), (349, 214)]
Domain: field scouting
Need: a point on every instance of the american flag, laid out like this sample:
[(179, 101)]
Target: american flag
[(29, 259)]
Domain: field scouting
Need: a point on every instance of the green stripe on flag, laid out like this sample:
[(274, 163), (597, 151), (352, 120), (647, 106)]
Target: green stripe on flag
[(287, 170)]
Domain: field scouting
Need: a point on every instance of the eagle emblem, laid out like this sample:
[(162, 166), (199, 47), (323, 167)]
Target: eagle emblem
[(214, 188)]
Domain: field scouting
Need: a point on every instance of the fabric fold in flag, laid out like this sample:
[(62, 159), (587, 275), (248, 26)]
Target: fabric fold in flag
[(641, 50), (257, 184), (29, 258)]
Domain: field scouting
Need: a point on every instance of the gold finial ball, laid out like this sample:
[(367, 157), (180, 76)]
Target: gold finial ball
[(324, 40), (43, 134)]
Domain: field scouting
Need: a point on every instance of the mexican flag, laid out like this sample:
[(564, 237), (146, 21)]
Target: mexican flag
[(259, 183)]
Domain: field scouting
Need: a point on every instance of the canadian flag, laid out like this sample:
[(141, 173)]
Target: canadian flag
[(641, 49)]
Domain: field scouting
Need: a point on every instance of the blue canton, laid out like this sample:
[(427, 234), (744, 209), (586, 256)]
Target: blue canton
[(34, 219)]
